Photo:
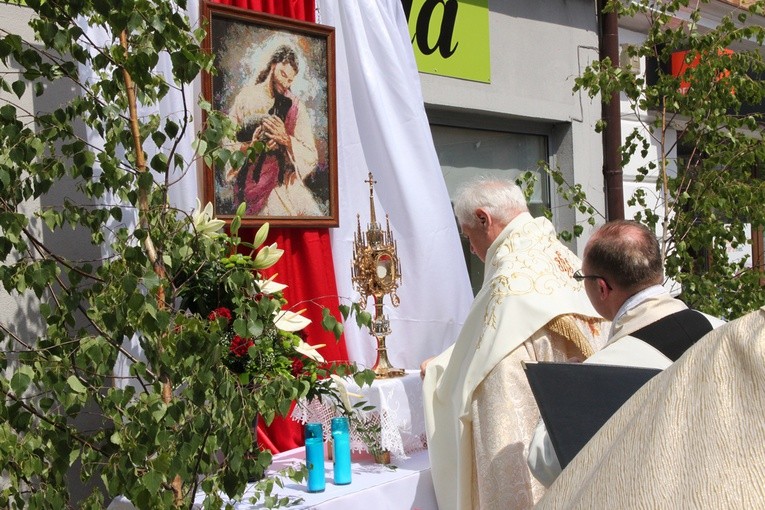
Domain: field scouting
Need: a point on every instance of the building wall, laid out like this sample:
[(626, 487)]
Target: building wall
[(22, 312), (537, 50), (19, 312)]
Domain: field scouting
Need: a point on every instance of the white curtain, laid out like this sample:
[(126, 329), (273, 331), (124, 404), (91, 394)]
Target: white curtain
[(382, 128)]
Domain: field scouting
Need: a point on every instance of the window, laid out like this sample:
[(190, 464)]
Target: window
[(465, 153)]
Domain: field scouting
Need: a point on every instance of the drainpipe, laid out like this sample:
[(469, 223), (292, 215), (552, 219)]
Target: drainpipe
[(612, 136)]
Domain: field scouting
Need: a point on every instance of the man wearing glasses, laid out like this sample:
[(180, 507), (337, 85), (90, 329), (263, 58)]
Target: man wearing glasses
[(623, 273)]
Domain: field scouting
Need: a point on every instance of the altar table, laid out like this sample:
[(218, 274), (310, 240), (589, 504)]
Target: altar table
[(398, 409), (407, 486)]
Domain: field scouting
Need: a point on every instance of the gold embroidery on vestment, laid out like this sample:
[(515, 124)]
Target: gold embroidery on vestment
[(537, 267)]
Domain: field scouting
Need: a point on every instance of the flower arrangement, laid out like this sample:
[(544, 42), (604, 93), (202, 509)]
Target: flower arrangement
[(259, 337)]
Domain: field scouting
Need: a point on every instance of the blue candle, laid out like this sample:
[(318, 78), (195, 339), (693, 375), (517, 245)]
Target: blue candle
[(313, 430), (314, 457), (341, 444)]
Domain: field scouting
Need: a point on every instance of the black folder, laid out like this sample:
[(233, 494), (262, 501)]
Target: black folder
[(576, 399)]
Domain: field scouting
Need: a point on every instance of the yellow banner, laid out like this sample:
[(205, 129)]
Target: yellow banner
[(450, 37)]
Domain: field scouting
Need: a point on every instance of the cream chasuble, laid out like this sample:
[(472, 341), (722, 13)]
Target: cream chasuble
[(527, 285), (692, 437)]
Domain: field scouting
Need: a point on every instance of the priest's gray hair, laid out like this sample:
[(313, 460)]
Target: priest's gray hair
[(501, 198)]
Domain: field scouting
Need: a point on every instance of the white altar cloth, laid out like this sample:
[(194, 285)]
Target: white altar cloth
[(398, 410), (373, 486), (408, 486)]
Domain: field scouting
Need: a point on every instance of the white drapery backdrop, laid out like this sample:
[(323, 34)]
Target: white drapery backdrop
[(382, 128)]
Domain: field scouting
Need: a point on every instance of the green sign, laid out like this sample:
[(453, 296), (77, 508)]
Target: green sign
[(450, 37)]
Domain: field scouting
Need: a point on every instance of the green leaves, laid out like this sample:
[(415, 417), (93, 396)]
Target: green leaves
[(331, 324), (111, 271), (574, 195), (21, 379), (75, 385), (697, 149), (19, 87)]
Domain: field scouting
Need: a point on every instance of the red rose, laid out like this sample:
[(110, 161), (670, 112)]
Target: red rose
[(220, 312), (297, 367), (239, 345)]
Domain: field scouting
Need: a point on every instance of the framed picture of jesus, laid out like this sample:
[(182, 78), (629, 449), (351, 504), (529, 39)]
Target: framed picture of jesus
[(274, 78)]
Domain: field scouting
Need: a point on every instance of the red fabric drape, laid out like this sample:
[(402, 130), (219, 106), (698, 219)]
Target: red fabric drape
[(297, 9), (306, 267)]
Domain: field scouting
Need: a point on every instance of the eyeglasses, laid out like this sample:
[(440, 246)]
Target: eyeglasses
[(579, 276)]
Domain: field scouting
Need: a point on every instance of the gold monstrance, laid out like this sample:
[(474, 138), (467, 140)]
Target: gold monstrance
[(376, 273)]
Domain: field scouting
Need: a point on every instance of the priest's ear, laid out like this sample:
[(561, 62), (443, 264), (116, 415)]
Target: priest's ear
[(484, 218), (604, 289)]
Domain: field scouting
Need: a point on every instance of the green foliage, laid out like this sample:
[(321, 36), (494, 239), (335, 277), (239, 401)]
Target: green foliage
[(265, 489), (705, 199), (367, 426), (573, 195), (181, 420)]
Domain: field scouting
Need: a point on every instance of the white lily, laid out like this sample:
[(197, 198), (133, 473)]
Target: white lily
[(268, 256), (269, 286), (291, 321), (260, 236), (342, 389), (203, 220), (310, 351)]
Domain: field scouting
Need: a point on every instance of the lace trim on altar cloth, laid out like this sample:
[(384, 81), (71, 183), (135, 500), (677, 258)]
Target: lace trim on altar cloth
[(398, 411)]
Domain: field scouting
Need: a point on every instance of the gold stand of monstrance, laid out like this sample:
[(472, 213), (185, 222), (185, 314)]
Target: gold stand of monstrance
[(376, 273)]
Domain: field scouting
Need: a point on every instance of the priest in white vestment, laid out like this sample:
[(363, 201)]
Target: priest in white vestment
[(479, 410), (692, 437)]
